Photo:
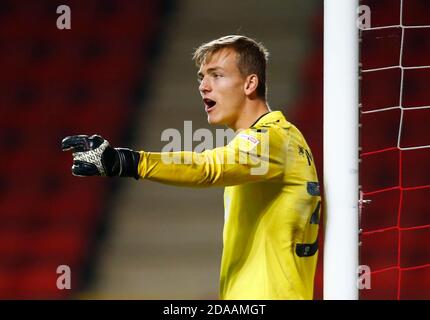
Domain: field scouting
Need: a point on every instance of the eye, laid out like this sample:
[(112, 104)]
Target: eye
[(200, 77)]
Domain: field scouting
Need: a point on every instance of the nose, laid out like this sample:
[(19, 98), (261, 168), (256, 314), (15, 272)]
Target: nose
[(204, 86)]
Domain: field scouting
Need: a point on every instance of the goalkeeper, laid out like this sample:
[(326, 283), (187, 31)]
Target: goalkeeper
[(271, 197)]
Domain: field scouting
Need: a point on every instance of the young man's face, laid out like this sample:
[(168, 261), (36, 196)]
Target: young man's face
[(222, 88)]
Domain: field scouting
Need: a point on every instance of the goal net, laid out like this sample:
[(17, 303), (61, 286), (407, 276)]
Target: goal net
[(395, 149)]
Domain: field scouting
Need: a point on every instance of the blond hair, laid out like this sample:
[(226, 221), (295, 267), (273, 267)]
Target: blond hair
[(252, 57)]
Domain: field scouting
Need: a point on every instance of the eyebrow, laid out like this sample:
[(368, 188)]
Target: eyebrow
[(200, 74)]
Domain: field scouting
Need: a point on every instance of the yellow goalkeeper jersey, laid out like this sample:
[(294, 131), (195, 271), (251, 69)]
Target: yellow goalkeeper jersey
[(272, 206)]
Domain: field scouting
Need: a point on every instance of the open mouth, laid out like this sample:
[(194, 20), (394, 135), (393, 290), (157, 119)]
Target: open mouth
[(209, 103)]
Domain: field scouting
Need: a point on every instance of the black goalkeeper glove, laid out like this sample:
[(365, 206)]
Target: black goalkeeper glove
[(93, 156)]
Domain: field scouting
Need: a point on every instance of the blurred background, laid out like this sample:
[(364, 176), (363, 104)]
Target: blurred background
[(124, 71)]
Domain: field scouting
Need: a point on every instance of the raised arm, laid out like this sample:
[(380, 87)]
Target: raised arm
[(247, 158)]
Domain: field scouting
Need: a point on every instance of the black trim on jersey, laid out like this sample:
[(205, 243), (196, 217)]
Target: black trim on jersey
[(315, 218), (306, 249), (259, 118)]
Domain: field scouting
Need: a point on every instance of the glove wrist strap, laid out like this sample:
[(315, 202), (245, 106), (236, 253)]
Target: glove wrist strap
[(128, 162)]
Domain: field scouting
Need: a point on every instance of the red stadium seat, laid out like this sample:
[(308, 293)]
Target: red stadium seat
[(49, 216)]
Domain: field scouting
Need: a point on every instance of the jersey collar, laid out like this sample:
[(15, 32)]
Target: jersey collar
[(272, 116)]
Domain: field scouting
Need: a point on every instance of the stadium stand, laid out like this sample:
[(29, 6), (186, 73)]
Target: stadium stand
[(49, 218)]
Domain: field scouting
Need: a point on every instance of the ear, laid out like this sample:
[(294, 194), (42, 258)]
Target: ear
[(251, 84)]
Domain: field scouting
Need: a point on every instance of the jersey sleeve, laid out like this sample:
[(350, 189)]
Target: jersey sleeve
[(252, 155)]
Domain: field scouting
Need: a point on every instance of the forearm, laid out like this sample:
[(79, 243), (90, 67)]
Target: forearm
[(217, 167), (181, 168)]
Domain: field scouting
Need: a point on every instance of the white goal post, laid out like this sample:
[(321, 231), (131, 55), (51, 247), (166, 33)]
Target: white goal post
[(341, 153)]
